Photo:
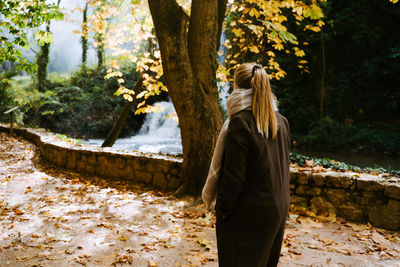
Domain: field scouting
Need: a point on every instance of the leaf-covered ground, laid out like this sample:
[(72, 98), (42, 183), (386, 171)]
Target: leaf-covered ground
[(53, 217)]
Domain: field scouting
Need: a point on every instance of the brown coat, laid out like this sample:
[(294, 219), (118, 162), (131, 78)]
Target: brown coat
[(253, 196)]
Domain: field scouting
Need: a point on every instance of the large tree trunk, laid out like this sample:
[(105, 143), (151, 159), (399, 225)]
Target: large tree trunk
[(188, 50), (122, 117)]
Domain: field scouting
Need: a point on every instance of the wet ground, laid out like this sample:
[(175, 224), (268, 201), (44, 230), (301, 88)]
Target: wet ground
[(53, 217)]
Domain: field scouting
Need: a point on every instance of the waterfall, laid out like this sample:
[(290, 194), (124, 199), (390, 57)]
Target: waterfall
[(159, 133), (161, 124), (223, 90)]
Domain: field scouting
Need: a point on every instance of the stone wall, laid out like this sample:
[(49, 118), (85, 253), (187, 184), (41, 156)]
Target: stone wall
[(356, 197), (156, 170)]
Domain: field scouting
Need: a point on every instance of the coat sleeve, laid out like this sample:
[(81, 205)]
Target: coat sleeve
[(235, 165)]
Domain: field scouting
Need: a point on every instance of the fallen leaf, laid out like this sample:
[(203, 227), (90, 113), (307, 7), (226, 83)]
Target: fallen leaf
[(380, 239), (205, 243), (69, 251), (152, 263), (18, 212), (356, 227), (296, 252)]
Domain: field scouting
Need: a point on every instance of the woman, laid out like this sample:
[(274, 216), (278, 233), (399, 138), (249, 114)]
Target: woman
[(250, 171)]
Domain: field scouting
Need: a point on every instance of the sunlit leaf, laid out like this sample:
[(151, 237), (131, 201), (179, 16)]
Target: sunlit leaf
[(254, 49)]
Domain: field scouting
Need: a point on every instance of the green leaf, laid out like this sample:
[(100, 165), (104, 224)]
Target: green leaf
[(48, 112), (287, 36), (315, 12)]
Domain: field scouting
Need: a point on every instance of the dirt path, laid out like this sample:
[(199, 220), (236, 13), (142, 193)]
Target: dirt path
[(53, 217)]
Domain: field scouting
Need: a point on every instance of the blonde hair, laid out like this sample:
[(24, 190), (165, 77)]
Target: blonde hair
[(251, 75)]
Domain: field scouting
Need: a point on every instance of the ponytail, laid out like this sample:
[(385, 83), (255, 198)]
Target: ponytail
[(263, 107), (252, 75)]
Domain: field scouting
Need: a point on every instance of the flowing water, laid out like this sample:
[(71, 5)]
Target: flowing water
[(160, 133)]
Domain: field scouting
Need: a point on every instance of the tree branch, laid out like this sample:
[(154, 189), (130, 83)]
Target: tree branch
[(33, 50)]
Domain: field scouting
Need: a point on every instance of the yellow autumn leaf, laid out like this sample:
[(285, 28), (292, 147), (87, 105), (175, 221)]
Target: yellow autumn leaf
[(236, 55), (280, 74), (128, 97), (113, 74), (320, 23), (141, 104), (278, 46), (141, 110), (258, 30), (141, 94), (254, 13), (237, 32), (78, 9), (114, 64), (298, 52), (312, 28), (254, 49), (299, 11)]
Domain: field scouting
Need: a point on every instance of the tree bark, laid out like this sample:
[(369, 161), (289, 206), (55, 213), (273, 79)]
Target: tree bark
[(100, 51), (84, 38), (122, 117), (42, 62), (323, 75), (188, 48)]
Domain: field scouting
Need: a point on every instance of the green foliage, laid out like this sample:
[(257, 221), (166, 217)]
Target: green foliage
[(258, 31), (24, 94), (43, 38), (7, 97), (63, 137), (81, 105), (363, 138), (361, 99), (302, 160), (85, 105), (18, 17)]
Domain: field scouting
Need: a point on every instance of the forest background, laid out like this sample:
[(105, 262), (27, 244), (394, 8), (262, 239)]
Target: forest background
[(334, 66)]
